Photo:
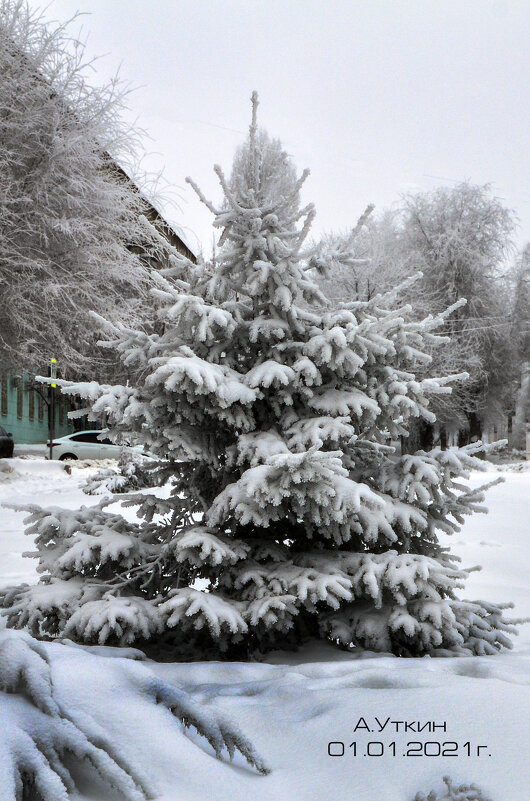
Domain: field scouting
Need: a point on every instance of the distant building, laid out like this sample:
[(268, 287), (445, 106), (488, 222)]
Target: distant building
[(24, 413)]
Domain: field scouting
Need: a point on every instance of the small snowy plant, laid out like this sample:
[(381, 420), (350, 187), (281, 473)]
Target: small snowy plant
[(272, 417), (453, 792)]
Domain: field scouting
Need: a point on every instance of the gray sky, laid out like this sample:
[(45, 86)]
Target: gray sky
[(376, 97)]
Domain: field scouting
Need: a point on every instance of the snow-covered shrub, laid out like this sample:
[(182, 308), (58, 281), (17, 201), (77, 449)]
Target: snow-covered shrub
[(451, 792), (133, 472), (41, 739), (272, 418)]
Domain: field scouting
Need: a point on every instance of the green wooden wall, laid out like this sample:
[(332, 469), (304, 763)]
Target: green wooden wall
[(25, 414)]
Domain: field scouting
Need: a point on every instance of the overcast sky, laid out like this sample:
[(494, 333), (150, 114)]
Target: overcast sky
[(376, 97)]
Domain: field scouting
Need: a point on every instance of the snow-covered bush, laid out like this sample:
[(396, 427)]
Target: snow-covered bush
[(41, 740), (272, 418), (451, 792), (134, 471)]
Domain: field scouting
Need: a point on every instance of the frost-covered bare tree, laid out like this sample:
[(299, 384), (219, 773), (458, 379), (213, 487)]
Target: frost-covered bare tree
[(521, 339), (459, 238), (362, 262), (69, 222)]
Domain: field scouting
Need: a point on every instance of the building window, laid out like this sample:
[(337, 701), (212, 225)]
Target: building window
[(31, 405), (61, 413), (20, 400), (41, 409), (3, 395)]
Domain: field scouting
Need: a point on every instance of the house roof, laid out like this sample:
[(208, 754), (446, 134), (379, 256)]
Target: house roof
[(154, 215)]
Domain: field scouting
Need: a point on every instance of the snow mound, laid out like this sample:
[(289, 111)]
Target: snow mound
[(7, 472)]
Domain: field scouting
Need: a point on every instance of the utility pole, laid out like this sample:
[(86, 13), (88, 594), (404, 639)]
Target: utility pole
[(51, 406)]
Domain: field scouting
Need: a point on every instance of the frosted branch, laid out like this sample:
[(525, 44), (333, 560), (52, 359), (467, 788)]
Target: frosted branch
[(201, 197)]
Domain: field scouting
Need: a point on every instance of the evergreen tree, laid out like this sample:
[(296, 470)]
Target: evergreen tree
[(270, 417)]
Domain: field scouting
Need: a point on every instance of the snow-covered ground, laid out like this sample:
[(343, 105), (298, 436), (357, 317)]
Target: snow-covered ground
[(297, 708)]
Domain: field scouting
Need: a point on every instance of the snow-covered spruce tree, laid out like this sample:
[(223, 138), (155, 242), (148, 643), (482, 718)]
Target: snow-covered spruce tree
[(271, 418)]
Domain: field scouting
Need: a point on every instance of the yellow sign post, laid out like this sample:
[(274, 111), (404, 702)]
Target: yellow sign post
[(53, 370), (51, 406)]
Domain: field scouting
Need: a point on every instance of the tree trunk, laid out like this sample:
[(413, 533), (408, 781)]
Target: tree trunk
[(522, 408), (421, 437)]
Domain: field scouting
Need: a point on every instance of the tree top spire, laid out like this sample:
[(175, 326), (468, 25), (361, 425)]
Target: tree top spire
[(254, 160)]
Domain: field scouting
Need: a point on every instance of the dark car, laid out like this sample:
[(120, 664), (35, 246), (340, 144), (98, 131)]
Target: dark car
[(6, 444)]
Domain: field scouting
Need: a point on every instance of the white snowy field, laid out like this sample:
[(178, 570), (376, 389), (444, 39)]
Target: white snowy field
[(473, 711)]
